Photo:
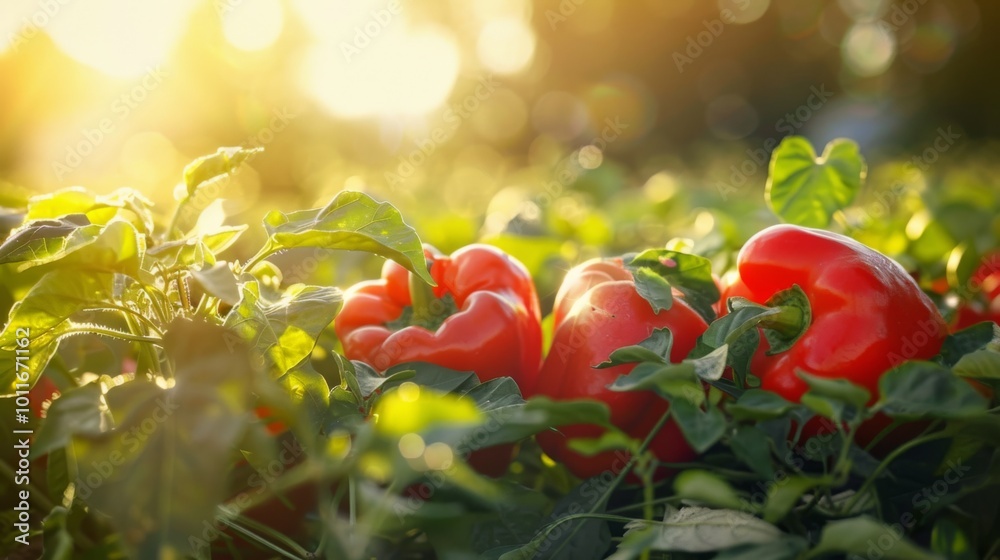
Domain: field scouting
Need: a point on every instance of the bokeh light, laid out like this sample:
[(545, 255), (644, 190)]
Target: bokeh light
[(741, 12), (868, 49), (506, 46), (121, 38), (406, 72), (255, 25), (478, 118)]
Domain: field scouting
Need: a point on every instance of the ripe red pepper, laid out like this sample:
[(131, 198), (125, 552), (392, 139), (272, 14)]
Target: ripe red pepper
[(482, 316), (868, 314), (985, 283), (598, 310)]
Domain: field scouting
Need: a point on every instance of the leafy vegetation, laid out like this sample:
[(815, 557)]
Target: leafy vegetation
[(206, 409)]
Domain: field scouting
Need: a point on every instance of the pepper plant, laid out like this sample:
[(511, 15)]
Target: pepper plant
[(207, 408)]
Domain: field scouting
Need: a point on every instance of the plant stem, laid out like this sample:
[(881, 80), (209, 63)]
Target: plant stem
[(648, 493), (421, 299), (630, 507), (890, 458), (94, 329), (278, 537), (618, 479), (250, 535), (182, 288)]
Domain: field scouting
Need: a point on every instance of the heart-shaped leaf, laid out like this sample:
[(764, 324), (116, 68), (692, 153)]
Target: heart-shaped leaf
[(806, 190)]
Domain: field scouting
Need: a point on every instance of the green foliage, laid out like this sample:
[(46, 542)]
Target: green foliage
[(208, 389), (806, 190)]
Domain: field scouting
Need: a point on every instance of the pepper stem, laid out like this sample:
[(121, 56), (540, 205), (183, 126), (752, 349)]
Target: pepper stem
[(421, 300), (788, 321)]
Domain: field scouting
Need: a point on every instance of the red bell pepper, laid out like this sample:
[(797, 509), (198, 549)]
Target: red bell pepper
[(868, 314), (597, 311), (482, 316)]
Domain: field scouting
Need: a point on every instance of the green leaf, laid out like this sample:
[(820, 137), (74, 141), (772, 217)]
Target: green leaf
[(689, 274), (758, 404), (57, 472), (170, 450), (837, 389), (977, 337), (980, 364), (785, 493), (223, 161), (667, 380), (285, 331), (190, 254), (806, 190), (744, 315), (698, 529), (222, 238), (364, 380), (124, 203), (949, 541), (675, 381), (753, 447), (582, 539), (787, 548), (78, 411), (74, 241), (352, 221), (858, 535), (610, 440), (516, 422), (783, 319), (653, 288), (656, 348), (219, 281), (701, 428), (58, 543), (430, 375), (309, 392), (43, 241), (962, 264), (706, 487), (836, 399), (14, 196), (496, 394), (43, 316), (925, 389)]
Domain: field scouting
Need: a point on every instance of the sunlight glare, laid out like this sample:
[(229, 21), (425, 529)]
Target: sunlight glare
[(400, 72), (121, 38), (506, 45), (253, 26)]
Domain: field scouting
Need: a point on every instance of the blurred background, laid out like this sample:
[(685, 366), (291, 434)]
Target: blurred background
[(559, 129)]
